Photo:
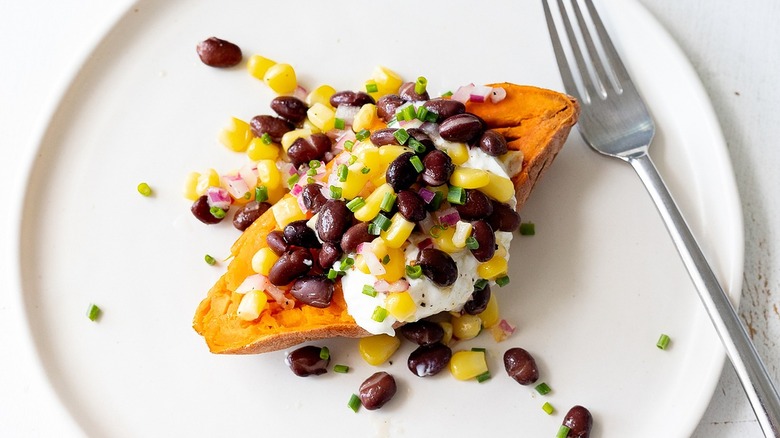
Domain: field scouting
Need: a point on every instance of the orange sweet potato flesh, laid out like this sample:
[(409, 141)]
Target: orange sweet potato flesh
[(535, 121)]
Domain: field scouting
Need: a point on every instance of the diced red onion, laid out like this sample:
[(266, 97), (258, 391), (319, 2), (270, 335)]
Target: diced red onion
[(248, 173), (506, 327), (218, 197), (480, 93), (375, 266), (348, 135), (236, 186), (347, 113), (253, 282), (399, 285), (463, 93), (497, 95), (449, 216), (277, 294), (381, 286), (426, 195), (296, 190), (300, 93), (427, 242), (426, 224), (430, 128)]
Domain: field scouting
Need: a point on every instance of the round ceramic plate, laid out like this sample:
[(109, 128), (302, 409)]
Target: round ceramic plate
[(590, 293)]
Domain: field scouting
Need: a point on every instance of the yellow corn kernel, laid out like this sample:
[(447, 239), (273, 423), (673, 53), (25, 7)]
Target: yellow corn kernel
[(462, 232), (321, 116), (268, 174), (206, 180), (465, 365), (493, 268), (466, 326), (258, 150), (401, 305), (259, 65), (321, 95), (287, 210), (400, 229), (281, 78), (391, 152), (289, 137), (447, 327), (364, 118), (307, 124), (190, 186), (361, 265), (355, 182), (252, 305), (458, 152), (469, 178), (373, 203), (386, 81), (395, 268), (263, 260), (500, 251), (236, 136), (499, 188), (443, 240), (377, 349), (490, 316)]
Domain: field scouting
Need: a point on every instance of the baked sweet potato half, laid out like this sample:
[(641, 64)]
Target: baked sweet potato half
[(534, 121)]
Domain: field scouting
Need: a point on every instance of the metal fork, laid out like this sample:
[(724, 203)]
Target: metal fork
[(615, 122)]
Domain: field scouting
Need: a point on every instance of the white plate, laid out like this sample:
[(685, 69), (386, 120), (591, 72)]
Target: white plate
[(590, 293)]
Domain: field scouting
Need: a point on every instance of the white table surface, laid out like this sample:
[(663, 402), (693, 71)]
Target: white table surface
[(734, 47)]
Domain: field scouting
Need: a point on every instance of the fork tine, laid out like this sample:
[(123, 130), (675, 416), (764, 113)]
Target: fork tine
[(560, 56), (602, 76), (620, 74), (591, 88)]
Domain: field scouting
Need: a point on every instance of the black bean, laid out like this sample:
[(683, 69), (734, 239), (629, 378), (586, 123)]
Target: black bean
[(304, 150), (422, 332), (350, 98), (299, 234), (438, 168), (445, 108), (478, 301), (477, 206), (291, 265), (428, 360), (438, 266), (328, 255), (410, 205), (407, 93), (461, 128), (521, 366), (486, 238), (316, 291), (382, 137), (493, 143), (579, 421), (312, 197), (306, 361), (401, 173), (321, 143), (354, 236), (333, 220), (273, 126), (377, 390), (275, 241), (387, 105), (215, 52), (290, 108), (421, 137), (504, 217), (248, 213), (202, 210)]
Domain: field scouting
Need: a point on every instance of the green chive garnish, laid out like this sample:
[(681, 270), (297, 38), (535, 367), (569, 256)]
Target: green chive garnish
[(261, 193), (436, 201), (365, 170), (338, 123), (386, 259), (422, 113), (420, 85), (324, 353), (379, 315), (483, 377), (348, 145), (362, 134), (418, 165), (374, 230), (548, 408), (401, 135), (355, 204), (144, 189), (479, 349), (432, 117), (456, 195), (447, 94), (247, 196), (311, 172), (354, 402), (342, 172), (416, 145), (266, 138), (347, 263), (542, 389), (217, 212), (527, 229), (335, 192), (388, 201), (369, 290), (352, 159), (663, 342), (382, 222), (372, 87), (471, 243), (436, 230), (332, 274), (563, 432), (343, 369), (409, 112), (480, 284), (502, 281), (292, 180), (93, 312), (314, 164), (210, 260), (413, 272)]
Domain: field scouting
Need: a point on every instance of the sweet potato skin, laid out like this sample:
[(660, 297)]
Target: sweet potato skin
[(534, 121)]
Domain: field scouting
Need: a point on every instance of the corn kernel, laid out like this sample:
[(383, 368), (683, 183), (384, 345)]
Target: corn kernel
[(466, 365), (377, 349), (386, 80), (493, 268), (321, 95), (206, 180), (401, 305), (499, 188), (373, 203), (364, 118), (263, 260), (190, 186), (391, 152), (447, 327), (321, 116), (458, 152), (258, 150), (281, 78), (462, 232), (469, 178), (490, 316), (500, 251), (236, 136), (369, 156), (400, 229), (252, 305), (276, 193), (287, 210), (268, 174), (443, 240), (289, 137), (257, 66), (361, 265), (395, 268), (307, 124), (466, 326), (355, 182)]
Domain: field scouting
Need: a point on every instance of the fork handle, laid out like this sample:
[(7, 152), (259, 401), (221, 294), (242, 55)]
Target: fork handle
[(740, 349)]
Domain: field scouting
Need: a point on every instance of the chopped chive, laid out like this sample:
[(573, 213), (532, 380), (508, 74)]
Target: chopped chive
[(354, 402), (420, 85), (388, 201), (217, 212), (447, 94), (483, 377), (401, 135), (480, 284), (386, 259), (471, 243), (348, 145), (292, 180), (436, 231), (409, 112), (663, 342), (343, 369), (548, 408), (374, 230), (339, 123), (418, 165), (416, 145), (314, 164), (479, 349), (347, 263), (436, 201), (324, 353), (382, 222), (414, 272), (342, 172), (432, 117), (310, 180), (352, 159), (362, 134), (456, 195), (365, 170), (422, 113), (355, 204), (144, 189), (542, 388), (247, 195), (563, 432), (93, 312), (379, 315), (210, 260), (311, 172), (527, 229), (335, 192), (261, 193), (502, 281), (332, 274), (399, 117), (369, 290), (372, 87)]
